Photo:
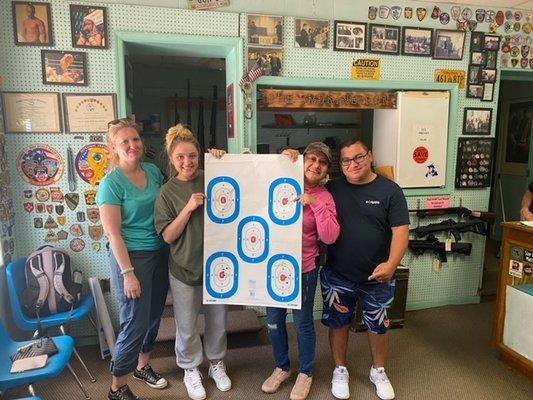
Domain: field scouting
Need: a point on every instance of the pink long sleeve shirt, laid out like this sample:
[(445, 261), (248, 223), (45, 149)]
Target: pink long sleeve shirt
[(319, 223)]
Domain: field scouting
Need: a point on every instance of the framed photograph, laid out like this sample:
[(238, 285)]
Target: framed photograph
[(265, 30), (516, 125), (270, 59), (32, 112), (488, 92), (488, 75), (475, 91), (349, 36), (476, 41), (491, 42), (311, 33), (417, 41), (474, 162), (492, 57), (477, 121), (478, 58), (474, 74), (32, 23), (88, 26), (64, 67), (384, 39), (89, 113), (449, 45)]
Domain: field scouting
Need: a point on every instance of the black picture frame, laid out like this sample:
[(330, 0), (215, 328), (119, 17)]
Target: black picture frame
[(491, 42), (473, 172), (413, 49), (76, 120), (488, 75), (474, 74), (64, 67), (474, 91), (88, 26), (477, 40), (491, 59), (488, 91), (449, 44), (348, 34), (477, 121), (377, 39), (42, 17), (478, 58)]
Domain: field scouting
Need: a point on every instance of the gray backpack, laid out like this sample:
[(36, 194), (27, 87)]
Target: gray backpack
[(51, 285)]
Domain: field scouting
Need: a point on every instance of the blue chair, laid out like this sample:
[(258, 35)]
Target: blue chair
[(16, 282), (54, 366)]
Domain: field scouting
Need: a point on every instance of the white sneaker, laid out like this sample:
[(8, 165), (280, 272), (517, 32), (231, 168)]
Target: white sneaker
[(384, 388), (192, 378), (218, 373), (339, 383)]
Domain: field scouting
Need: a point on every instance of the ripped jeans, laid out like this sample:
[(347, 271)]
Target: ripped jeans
[(304, 324)]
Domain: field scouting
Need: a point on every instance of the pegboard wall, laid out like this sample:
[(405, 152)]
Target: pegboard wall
[(20, 67)]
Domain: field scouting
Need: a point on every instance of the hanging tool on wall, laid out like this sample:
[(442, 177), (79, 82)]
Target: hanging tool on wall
[(459, 211), (200, 133), (189, 117), (213, 122), (452, 227), (246, 86), (176, 112), (71, 174)]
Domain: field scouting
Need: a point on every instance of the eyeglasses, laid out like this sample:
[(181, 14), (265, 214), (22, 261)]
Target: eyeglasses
[(321, 161), (358, 159)]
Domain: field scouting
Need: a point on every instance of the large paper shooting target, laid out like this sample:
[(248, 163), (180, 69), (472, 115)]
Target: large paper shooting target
[(91, 163), (283, 278), (40, 165), (222, 275), (253, 239), (223, 199), (282, 207)]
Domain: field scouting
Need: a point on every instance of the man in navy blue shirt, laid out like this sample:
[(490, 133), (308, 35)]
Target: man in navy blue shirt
[(374, 220)]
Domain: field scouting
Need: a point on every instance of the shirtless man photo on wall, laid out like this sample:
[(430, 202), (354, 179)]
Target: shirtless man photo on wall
[(32, 23)]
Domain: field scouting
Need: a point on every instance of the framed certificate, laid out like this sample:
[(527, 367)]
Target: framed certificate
[(89, 113), (32, 112)]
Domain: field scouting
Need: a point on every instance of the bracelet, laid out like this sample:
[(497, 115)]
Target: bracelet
[(126, 270)]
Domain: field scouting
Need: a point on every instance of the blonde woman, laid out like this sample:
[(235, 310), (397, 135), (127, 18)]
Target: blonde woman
[(179, 219), (138, 256)]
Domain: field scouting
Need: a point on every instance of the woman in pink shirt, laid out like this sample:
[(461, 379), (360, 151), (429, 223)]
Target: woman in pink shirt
[(319, 223)]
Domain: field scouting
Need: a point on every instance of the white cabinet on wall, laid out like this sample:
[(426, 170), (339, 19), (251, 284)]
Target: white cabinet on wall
[(413, 139)]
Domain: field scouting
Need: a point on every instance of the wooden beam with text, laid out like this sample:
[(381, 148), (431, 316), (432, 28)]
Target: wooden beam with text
[(278, 99)]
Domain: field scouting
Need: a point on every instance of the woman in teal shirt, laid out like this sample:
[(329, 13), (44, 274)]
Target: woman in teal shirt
[(138, 256)]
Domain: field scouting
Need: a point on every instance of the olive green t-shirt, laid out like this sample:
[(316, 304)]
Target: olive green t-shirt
[(186, 252)]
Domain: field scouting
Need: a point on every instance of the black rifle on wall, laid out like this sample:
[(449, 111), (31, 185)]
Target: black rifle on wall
[(213, 122), (459, 211), (418, 247), (453, 227), (176, 112), (189, 116), (201, 127)]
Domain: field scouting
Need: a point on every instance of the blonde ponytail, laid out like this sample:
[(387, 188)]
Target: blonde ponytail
[(176, 135)]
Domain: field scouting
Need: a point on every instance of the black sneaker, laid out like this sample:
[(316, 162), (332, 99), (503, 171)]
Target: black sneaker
[(124, 393), (150, 377)]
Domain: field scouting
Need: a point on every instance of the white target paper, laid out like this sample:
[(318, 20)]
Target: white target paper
[(253, 230)]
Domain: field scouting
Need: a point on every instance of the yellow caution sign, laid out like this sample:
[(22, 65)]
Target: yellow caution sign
[(368, 69), (451, 76)]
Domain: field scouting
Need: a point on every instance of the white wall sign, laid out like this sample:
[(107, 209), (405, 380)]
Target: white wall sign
[(207, 4), (253, 230)]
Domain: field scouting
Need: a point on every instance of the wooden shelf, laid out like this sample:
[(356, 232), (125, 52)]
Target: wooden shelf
[(317, 126)]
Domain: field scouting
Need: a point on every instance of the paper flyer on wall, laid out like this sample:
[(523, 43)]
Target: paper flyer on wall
[(253, 230)]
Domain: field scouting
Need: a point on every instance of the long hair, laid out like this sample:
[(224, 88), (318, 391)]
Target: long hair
[(176, 135), (113, 128)]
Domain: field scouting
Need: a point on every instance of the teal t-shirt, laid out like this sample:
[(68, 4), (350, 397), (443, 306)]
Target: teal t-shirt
[(136, 206)]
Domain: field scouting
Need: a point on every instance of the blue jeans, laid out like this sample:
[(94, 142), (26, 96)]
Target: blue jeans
[(139, 318), (305, 328)]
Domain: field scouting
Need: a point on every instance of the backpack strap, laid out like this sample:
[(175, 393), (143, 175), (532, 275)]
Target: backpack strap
[(44, 286), (59, 259)]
